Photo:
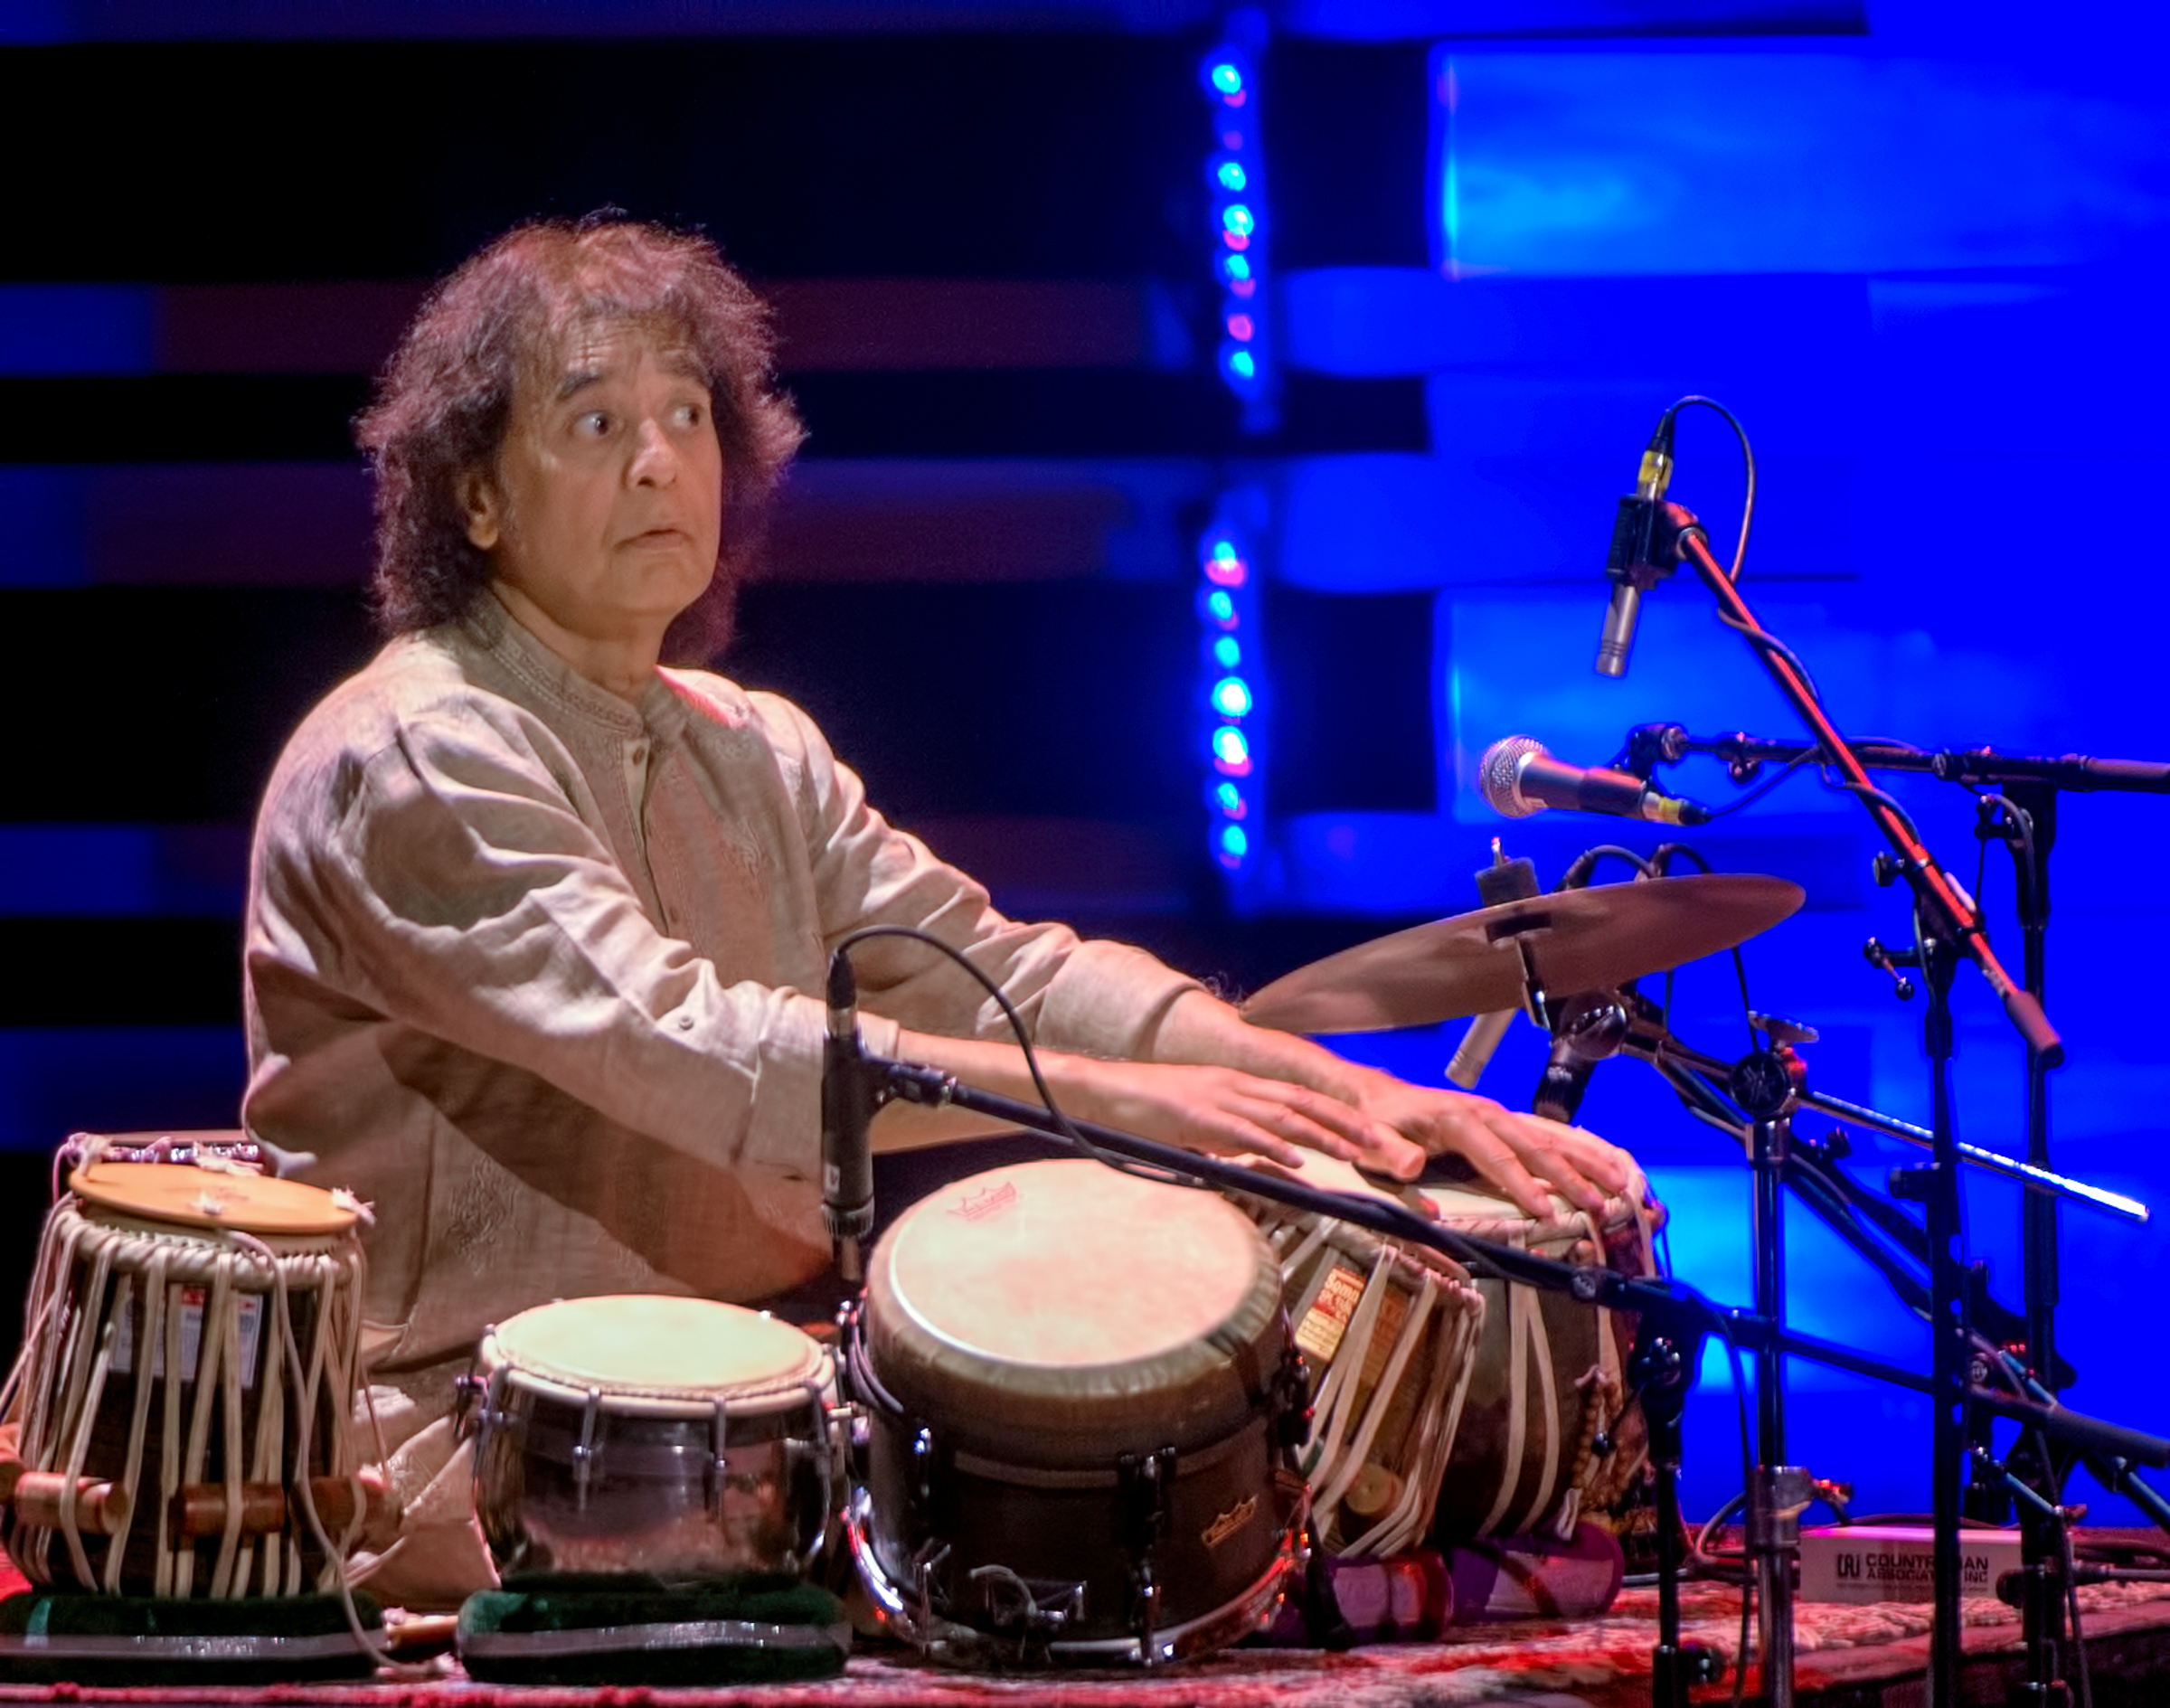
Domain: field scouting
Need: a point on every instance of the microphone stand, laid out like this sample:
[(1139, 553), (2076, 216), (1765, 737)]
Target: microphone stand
[(1672, 1319), (2028, 824), (2024, 816), (1948, 928)]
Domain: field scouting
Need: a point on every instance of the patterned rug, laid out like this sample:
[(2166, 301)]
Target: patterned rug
[(1598, 1663)]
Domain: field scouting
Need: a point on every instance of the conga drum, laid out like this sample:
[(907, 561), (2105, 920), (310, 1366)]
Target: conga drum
[(1082, 1402), (1480, 1407), (183, 1394), (672, 1439)]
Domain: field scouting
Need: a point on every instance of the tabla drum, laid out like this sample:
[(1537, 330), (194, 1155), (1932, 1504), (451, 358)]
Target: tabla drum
[(1548, 1432), (1389, 1334), (676, 1439), (185, 1385), (1485, 1407), (1081, 1402)]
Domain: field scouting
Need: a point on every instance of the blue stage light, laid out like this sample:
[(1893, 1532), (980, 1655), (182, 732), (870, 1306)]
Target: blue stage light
[(1232, 752), (1229, 175), (1227, 79), (1227, 653), (1242, 366), (1235, 217), (1231, 697), (1221, 608), (1230, 800), (1234, 841)]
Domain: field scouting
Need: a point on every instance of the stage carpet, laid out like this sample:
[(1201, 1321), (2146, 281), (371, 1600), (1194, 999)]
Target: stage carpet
[(1870, 1657)]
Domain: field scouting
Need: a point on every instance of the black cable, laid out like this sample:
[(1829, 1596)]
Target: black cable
[(1748, 457), (1099, 1152)]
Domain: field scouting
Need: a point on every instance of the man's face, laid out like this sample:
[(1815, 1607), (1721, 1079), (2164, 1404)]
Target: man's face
[(606, 504)]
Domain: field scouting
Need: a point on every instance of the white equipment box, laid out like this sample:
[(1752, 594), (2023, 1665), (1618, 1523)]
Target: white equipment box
[(1892, 1563)]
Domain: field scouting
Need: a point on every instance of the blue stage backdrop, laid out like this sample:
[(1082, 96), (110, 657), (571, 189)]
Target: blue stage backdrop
[(1916, 245)]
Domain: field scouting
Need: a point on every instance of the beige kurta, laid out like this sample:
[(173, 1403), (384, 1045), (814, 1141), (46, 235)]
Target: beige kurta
[(537, 974)]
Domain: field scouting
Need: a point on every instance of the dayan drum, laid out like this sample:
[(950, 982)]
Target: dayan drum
[(677, 1438), (1082, 1402), (1516, 1395), (185, 1385)]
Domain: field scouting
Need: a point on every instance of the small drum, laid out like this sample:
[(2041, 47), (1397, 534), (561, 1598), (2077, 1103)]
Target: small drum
[(1082, 1402), (1516, 1395), (677, 1438), (185, 1384)]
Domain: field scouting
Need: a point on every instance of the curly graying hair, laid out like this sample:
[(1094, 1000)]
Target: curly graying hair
[(445, 400)]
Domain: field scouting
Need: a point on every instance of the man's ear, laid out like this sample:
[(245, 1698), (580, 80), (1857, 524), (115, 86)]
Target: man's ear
[(480, 504)]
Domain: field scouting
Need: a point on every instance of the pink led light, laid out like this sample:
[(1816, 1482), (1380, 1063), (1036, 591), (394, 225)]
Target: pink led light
[(1242, 289), (1239, 328), (1235, 239), (1225, 571)]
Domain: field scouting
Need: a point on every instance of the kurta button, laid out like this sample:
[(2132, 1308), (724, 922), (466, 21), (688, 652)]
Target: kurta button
[(685, 1023)]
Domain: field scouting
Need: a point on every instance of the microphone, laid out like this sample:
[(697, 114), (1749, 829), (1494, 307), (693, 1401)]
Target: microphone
[(1587, 1030), (1626, 566), (847, 1105), (1519, 778), (1501, 881)]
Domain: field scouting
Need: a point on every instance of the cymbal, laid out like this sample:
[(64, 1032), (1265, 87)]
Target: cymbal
[(1580, 940)]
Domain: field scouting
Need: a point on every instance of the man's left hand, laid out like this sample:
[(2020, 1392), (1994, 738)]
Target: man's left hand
[(1521, 1155)]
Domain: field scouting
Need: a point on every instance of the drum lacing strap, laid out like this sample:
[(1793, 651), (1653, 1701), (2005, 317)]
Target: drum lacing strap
[(1383, 1390), (1335, 1402), (336, 1303), (1525, 1334), (149, 1329), (1439, 1420), (90, 1358)]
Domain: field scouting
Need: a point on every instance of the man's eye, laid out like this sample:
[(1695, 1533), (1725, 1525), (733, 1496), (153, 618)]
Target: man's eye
[(691, 414), (594, 424)]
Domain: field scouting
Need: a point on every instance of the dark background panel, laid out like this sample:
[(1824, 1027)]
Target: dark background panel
[(1070, 698), (1023, 154), (1352, 728), (1347, 131)]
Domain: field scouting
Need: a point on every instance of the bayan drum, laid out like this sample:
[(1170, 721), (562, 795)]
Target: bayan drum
[(185, 1385), (1516, 1395), (1082, 1403), (675, 1438)]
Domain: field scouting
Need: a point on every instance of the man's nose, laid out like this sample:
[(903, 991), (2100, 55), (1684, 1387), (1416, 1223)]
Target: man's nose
[(655, 457)]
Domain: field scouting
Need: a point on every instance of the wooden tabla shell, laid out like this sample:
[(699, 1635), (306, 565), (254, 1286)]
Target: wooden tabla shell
[(1549, 1382), (1478, 1406), (249, 1286)]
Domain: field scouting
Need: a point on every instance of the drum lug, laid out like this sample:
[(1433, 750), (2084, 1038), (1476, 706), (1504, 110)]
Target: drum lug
[(584, 1450), (468, 1390), (1141, 1485), (924, 1454), (719, 1463), (932, 1555), (1292, 1400)]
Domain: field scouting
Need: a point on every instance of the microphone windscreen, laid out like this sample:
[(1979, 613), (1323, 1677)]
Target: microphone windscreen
[(1499, 775)]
